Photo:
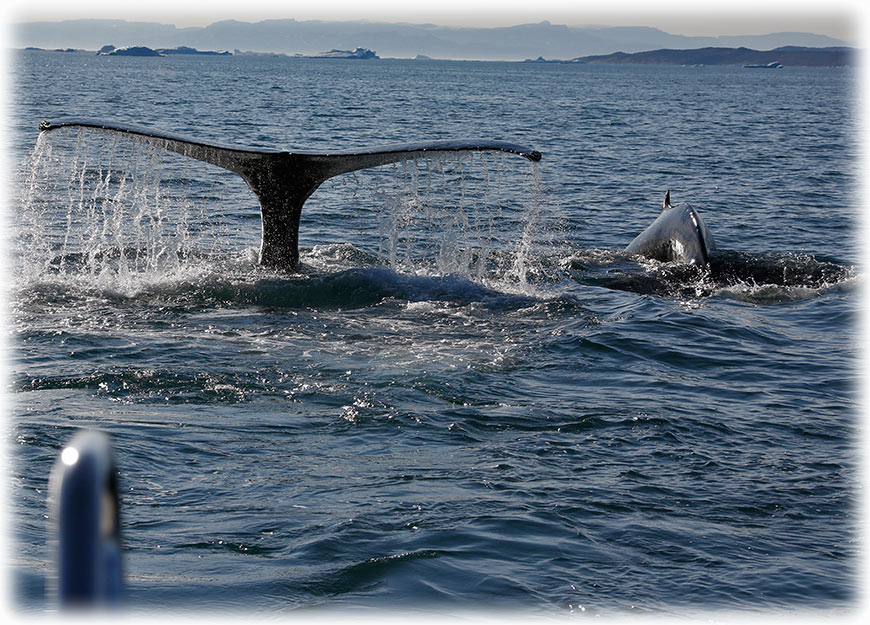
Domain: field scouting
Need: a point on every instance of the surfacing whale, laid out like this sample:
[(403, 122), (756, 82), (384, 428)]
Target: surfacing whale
[(282, 180), (693, 268), (677, 235)]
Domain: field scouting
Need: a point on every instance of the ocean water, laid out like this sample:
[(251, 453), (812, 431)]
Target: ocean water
[(467, 399)]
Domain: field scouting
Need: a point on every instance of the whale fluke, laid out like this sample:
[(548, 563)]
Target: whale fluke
[(677, 235), (283, 180)]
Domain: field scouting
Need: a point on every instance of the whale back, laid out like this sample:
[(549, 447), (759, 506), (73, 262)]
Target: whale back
[(678, 234)]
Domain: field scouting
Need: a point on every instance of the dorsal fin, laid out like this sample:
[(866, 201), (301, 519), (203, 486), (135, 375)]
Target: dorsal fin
[(667, 203)]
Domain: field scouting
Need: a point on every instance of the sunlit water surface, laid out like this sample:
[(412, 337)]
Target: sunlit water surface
[(467, 398)]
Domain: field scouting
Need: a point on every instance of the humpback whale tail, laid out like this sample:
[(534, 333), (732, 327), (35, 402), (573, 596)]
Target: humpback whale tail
[(283, 180), (677, 235)]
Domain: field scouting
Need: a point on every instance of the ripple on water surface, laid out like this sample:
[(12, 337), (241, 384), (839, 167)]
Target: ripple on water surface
[(461, 400)]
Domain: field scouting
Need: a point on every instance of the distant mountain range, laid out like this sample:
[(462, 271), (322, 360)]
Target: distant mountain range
[(402, 40), (787, 55)]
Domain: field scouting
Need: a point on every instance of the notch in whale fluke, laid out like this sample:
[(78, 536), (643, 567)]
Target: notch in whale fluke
[(283, 180)]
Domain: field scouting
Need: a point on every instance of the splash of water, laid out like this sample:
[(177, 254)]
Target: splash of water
[(114, 212)]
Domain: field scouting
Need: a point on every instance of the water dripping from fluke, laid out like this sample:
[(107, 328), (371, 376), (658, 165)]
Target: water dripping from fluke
[(282, 180), (109, 203)]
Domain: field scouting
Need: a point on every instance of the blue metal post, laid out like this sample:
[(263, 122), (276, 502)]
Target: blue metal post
[(85, 509)]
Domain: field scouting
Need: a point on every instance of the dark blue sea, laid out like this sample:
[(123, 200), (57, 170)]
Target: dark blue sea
[(468, 399)]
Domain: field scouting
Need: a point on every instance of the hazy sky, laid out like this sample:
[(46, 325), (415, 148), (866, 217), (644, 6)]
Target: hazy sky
[(837, 18)]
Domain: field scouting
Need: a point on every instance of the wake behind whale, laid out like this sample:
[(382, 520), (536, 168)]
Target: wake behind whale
[(756, 278)]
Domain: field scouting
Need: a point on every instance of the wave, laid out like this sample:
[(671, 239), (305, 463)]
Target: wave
[(331, 277), (768, 278), (343, 277), (359, 287)]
